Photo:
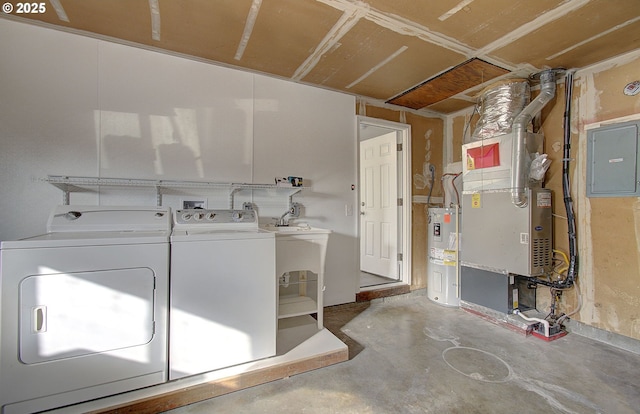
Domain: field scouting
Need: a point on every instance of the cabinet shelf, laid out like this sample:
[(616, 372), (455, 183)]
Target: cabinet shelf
[(297, 293), (70, 184), (296, 306)]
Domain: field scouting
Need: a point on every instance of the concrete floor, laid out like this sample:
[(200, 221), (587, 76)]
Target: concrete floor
[(409, 355)]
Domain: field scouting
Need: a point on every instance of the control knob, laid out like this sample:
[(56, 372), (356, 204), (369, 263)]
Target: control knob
[(72, 215)]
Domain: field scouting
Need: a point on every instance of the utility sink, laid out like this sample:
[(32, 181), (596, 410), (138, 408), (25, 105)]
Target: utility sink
[(301, 229)]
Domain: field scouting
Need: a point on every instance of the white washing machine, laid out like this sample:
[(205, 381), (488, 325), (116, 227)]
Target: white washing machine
[(84, 307), (223, 291)]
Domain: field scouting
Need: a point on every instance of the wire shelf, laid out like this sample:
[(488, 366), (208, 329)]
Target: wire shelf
[(70, 184)]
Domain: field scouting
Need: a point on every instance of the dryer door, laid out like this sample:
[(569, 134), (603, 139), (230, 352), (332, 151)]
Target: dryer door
[(64, 315)]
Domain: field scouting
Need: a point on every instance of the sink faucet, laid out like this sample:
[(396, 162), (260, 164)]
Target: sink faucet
[(282, 221), (294, 211)]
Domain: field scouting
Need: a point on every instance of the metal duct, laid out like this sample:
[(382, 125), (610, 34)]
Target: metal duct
[(519, 173), (499, 104)]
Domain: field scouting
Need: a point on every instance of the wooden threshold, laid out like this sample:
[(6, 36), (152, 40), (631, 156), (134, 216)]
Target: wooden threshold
[(383, 292)]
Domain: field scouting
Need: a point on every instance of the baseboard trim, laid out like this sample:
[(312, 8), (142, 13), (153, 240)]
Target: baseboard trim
[(572, 326), (600, 335)]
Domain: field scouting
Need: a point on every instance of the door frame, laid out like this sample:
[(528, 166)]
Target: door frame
[(404, 191)]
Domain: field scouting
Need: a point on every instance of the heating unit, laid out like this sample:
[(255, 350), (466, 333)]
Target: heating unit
[(507, 216)]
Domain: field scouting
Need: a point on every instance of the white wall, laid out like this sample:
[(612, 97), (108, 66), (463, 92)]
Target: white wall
[(72, 105)]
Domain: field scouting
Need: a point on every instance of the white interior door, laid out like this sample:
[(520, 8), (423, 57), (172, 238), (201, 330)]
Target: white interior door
[(379, 206)]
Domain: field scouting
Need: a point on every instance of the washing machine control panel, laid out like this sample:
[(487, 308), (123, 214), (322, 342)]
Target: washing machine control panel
[(214, 218), (82, 218)]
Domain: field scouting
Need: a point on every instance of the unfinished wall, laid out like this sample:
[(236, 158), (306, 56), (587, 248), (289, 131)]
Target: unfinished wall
[(427, 146), (608, 228), (459, 130), (461, 127)]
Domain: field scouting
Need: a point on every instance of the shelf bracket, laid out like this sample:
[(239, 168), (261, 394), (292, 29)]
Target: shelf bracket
[(66, 196), (232, 197), (158, 196), (291, 196)]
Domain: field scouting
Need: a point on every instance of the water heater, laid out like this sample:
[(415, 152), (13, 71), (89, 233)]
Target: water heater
[(443, 266)]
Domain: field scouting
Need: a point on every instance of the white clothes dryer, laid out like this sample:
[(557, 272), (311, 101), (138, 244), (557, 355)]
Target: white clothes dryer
[(84, 307), (223, 291)]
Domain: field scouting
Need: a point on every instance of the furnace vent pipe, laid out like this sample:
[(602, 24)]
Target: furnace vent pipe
[(519, 154)]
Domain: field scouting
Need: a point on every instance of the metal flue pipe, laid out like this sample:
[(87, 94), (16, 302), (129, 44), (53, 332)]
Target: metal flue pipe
[(519, 171)]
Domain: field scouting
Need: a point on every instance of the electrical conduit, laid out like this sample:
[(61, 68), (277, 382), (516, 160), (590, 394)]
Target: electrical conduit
[(566, 190)]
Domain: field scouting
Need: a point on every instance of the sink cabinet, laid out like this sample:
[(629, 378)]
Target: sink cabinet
[(300, 257)]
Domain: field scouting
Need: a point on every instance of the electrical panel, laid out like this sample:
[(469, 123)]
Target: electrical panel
[(612, 161)]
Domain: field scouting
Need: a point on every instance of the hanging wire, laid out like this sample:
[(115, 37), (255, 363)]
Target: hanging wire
[(432, 170), (566, 190)]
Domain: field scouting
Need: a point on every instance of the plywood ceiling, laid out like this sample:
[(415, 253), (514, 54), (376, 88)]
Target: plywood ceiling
[(378, 49), (457, 80)]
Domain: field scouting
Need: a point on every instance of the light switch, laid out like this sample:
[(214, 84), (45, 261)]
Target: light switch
[(348, 210)]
